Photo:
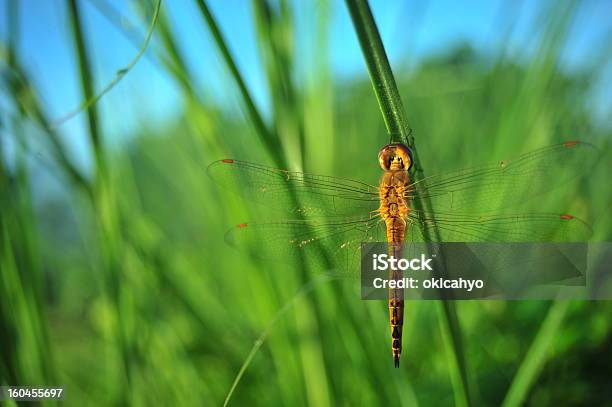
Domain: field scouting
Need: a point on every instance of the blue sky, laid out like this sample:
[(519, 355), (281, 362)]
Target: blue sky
[(411, 30)]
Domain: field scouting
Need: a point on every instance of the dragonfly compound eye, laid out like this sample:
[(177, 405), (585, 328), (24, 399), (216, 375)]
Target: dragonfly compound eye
[(395, 157)]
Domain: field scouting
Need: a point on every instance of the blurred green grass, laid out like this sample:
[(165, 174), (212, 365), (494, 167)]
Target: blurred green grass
[(114, 285)]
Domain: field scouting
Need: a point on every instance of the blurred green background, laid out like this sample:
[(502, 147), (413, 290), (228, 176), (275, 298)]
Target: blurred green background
[(115, 279)]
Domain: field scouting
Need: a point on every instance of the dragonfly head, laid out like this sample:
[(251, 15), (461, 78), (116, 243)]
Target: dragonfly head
[(395, 157)]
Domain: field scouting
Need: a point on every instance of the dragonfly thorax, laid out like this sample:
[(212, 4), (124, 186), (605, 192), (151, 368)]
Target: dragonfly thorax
[(394, 208)]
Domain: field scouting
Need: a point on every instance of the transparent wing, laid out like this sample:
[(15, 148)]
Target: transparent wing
[(296, 192), (332, 246), (508, 182), (540, 265), (452, 227)]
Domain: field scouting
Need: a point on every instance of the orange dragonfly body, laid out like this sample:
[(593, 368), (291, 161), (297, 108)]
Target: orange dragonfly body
[(333, 216)]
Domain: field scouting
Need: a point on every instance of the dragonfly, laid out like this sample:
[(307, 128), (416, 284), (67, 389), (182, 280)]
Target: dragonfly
[(329, 217)]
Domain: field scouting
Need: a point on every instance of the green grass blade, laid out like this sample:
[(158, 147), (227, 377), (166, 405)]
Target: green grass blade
[(85, 75), (381, 75), (24, 96), (449, 327), (269, 138), (276, 39), (104, 204), (305, 290), (119, 75), (537, 355), (172, 59)]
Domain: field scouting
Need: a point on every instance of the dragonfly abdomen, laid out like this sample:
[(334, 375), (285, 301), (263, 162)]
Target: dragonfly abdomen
[(394, 211)]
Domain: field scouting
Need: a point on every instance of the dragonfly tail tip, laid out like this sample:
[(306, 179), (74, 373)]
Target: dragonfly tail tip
[(396, 360)]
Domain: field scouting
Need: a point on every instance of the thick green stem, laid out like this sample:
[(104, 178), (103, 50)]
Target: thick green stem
[(381, 75), (393, 113)]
